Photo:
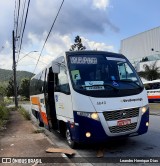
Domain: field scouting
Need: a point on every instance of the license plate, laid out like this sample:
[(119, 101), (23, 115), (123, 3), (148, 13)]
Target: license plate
[(123, 122)]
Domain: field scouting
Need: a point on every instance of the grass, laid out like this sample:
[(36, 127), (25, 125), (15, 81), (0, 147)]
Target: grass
[(39, 131), (24, 113), (4, 115)]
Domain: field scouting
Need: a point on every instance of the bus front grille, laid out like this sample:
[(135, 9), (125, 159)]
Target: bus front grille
[(119, 129), (121, 114)]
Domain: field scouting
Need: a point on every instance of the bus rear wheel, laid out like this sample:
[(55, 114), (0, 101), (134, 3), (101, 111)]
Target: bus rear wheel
[(41, 124), (70, 142)]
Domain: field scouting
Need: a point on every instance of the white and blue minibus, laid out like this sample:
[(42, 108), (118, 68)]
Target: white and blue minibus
[(90, 97)]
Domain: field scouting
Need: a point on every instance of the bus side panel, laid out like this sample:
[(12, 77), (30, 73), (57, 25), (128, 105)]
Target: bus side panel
[(63, 105), (38, 108)]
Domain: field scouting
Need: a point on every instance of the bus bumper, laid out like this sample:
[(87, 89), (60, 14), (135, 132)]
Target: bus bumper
[(84, 125)]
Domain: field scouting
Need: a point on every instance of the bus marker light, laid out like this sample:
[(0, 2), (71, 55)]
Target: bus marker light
[(88, 134), (72, 126)]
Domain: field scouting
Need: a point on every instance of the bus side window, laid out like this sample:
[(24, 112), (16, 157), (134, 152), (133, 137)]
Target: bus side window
[(62, 82), (42, 81)]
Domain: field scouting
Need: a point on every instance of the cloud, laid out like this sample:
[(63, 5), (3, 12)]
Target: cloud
[(57, 45), (92, 45), (101, 4), (82, 17), (6, 17), (85, 18), (6, 61)]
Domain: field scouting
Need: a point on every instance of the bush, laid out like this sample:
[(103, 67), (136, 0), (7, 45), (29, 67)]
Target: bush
[(25, 114), (4, 115)]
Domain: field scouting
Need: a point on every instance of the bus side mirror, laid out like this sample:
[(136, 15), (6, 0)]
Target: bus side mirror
[(56, 68)]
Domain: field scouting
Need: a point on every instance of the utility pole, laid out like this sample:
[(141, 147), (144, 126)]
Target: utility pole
[(14, 71)]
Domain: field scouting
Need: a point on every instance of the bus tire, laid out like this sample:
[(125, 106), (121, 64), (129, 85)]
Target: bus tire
[(62, 128), (70, 142), (41, 124)]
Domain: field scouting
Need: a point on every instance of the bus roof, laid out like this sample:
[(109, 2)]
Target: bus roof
[(87, 52), (60, 57)]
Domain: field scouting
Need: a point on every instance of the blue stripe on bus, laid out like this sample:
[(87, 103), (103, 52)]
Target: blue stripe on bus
[(154, 100)]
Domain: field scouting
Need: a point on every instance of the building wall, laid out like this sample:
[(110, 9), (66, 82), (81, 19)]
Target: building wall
[(141, 45)]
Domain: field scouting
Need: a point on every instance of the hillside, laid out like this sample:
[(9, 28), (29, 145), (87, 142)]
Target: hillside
[(5, 75)]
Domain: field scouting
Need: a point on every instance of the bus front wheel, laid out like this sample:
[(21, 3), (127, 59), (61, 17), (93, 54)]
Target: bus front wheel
[(70, 142)]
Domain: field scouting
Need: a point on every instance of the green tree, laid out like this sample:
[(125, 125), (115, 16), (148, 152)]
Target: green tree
[(24, 89), (151, 72), (10, 88), (2, 93), (144, 59), (78, 44), (2, 90)]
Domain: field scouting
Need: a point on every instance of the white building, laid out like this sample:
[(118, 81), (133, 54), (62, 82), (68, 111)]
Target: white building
[(145, 44)]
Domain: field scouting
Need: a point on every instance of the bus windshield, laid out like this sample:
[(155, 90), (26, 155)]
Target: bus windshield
[(111, 76)]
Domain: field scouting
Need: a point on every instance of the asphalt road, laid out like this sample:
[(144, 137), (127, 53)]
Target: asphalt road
[(147, 145)]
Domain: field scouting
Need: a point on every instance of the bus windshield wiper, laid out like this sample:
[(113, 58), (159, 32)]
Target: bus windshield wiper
[(113, 87), (129, 81)]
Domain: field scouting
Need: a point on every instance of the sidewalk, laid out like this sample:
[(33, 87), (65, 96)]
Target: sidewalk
[(21, 140)]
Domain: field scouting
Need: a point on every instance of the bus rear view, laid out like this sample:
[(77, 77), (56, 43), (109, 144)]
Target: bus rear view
[(108, 97)]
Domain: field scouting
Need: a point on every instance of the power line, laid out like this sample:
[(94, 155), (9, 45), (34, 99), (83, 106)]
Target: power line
[(49, 34), (20, 31), (15, 15), (23, 29), (18, 17), (35, 59)]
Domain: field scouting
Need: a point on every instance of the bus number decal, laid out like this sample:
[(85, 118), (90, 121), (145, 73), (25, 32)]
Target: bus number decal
[(101, 102), (83, 60)]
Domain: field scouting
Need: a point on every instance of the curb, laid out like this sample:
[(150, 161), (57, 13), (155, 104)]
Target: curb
[(34, 124), (156, 114)]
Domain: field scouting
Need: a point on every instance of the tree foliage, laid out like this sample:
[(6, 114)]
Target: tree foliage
[(24, 88), (10, 88), (144, 59), (78, 45), (151, 72), (2, 90)]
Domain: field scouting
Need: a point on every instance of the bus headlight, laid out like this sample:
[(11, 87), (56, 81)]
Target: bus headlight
[(144, 109), (93, 115)]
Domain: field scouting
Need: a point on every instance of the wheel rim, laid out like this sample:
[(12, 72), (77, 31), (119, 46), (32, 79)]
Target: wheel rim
[(68, 136)]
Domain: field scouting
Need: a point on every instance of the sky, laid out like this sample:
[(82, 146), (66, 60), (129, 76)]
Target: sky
[(101, 24)]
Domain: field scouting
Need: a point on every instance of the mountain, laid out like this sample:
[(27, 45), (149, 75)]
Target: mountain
[(5, 75)]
